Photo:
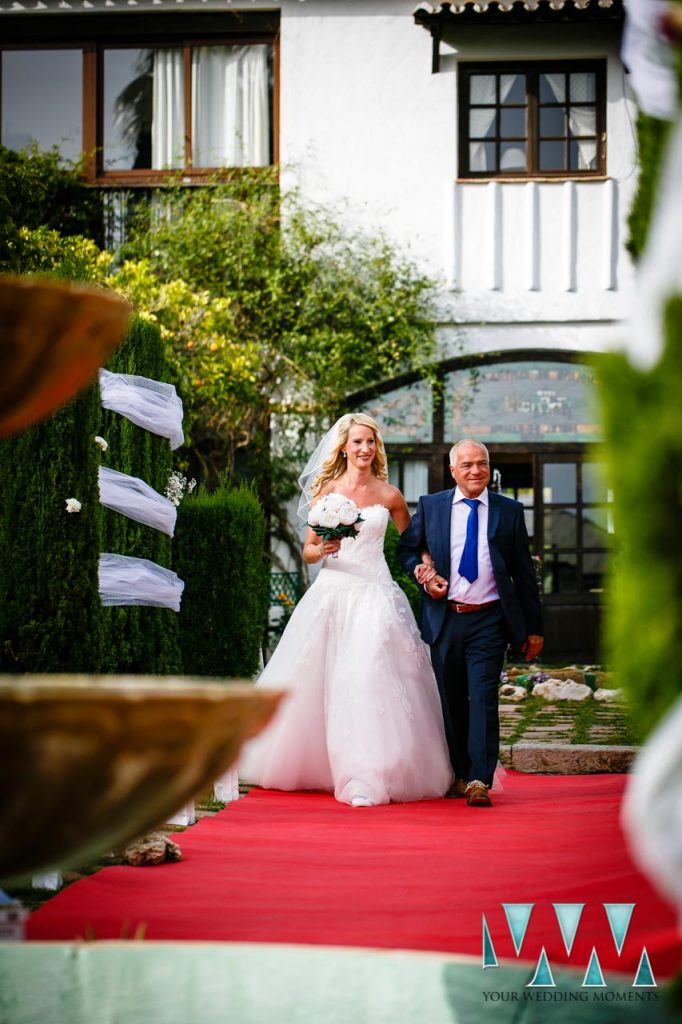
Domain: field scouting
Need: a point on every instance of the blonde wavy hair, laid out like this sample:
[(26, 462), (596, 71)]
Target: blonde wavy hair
[(334, 465)]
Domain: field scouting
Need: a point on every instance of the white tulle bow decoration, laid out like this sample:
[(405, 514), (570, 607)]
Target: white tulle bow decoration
[(151, 404), (135, 499), (652, 808), (124, 580)]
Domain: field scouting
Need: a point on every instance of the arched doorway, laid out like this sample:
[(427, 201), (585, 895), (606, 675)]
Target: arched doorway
[(536, 414)]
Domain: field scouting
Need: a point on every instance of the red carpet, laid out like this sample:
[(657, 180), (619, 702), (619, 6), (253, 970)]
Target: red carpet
[(301, 868)]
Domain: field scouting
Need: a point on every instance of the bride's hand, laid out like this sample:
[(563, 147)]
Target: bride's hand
[(328, 547), (423, 573)]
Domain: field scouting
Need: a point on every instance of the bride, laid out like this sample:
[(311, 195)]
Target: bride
[(362, 717)]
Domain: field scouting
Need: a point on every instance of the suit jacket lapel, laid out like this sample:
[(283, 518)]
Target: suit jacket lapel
[(444, 526), (493, 513)]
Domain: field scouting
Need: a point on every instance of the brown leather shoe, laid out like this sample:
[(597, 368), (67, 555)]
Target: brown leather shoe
[(477, 795), (457, 789)]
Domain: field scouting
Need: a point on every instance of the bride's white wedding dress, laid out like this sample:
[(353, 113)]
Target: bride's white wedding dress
[(363, 715)]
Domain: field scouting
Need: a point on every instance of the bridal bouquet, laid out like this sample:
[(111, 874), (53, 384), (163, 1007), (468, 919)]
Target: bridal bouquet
[(334, 517)]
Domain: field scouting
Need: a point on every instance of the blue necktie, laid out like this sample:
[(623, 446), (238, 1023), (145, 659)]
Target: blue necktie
[(468, 563)]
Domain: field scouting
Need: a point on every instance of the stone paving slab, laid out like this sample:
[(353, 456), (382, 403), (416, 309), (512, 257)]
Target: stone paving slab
[(567, 758)]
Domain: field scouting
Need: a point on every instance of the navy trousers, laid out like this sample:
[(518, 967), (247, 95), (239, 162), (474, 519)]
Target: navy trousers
[(467, 660)]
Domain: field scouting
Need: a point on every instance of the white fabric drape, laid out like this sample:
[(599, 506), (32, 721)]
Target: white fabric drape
[(150, 404), (226, 788), (124, 580), (650, 59), (582, 121), (168, 110), (135, 499), (230, 109)]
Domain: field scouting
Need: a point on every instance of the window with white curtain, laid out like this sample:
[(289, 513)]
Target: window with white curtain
[(194, 101), (147, 94), (535, 119)]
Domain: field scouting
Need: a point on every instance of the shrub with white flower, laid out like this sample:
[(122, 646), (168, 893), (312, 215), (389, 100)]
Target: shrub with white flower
[(334, 517), (101, 442), (177, 485), (73, 505)]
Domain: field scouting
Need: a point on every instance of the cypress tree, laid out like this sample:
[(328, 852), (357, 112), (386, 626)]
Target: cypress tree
[(50, 612)]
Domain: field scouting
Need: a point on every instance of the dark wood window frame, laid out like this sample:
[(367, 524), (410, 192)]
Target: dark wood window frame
[(532, 70), (177, 32)]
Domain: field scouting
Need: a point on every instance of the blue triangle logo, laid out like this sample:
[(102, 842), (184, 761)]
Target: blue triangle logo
[(543, 977), (594, 977), (489, 958), (619, 915), (645, 976), (518, 915), (568, 915)]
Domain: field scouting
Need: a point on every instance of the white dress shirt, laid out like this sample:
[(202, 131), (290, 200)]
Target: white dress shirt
[(483, 588)]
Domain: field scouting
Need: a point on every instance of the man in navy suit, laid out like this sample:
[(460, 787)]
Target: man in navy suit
[(480, 594)]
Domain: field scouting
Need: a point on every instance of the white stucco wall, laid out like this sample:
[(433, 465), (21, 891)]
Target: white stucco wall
[(365, 123)]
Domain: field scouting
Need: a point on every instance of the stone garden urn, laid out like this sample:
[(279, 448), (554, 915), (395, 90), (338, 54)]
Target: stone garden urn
[(90, 763)]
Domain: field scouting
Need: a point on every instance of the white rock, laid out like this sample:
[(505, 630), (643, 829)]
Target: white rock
[(608, 695), (513, 692), (562, 689)]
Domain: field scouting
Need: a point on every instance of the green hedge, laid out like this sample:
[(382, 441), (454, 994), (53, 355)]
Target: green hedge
[(219, 552), (51, 617), (643, 426), (138, 640), (50, 612)]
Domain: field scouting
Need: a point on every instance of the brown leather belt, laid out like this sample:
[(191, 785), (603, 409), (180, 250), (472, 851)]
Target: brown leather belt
[(464, 609)]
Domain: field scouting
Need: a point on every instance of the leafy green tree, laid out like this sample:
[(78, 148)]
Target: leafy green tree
[(38, 191)]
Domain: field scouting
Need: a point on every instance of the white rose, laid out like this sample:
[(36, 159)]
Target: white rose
[(314, 515), (334, 502), (73, 505), (101, 442), (348, 514), (329, 519)]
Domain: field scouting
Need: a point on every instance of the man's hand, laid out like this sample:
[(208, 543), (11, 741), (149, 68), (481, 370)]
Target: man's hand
[(532, 646), (437, 588)]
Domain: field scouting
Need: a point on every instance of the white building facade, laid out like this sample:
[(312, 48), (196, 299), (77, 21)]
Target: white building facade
[(495, 143)]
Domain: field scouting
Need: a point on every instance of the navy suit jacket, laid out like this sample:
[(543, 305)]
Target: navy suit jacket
[(509, 554)]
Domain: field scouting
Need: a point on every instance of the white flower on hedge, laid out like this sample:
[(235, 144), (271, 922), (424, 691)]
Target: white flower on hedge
[(348, 513), (73, 505), (101, 442), (191, 485), (175, 487)]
